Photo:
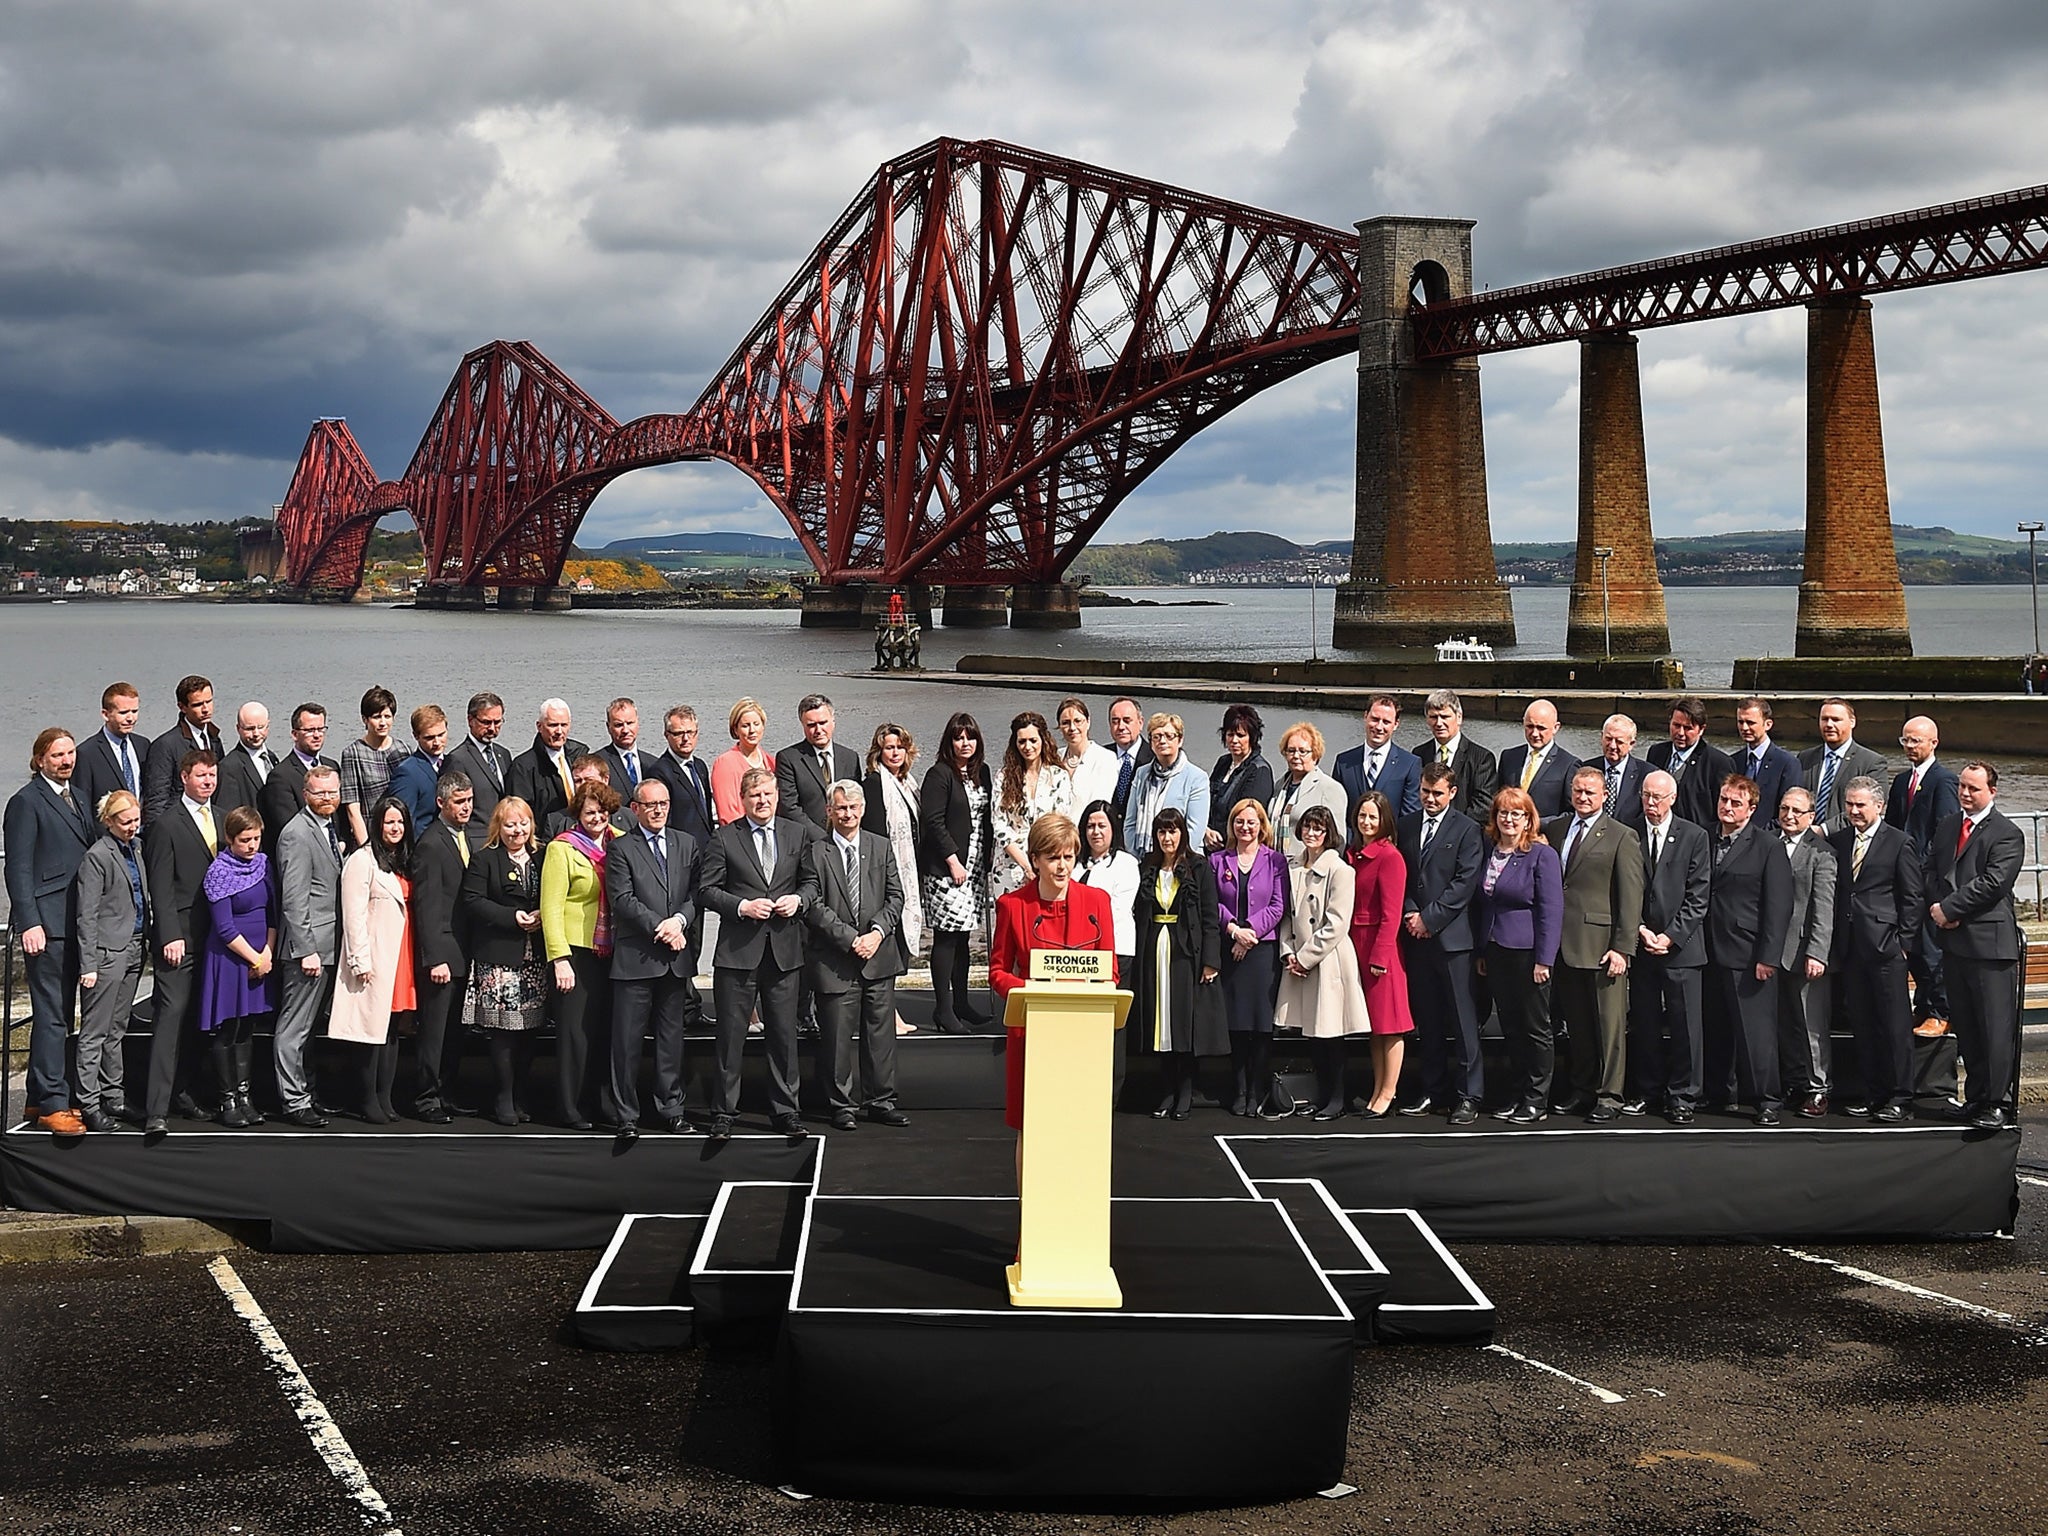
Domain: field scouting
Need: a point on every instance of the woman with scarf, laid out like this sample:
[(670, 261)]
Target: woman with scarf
[(237, 958), (576, 930), (376, 980), (1176, 1003)]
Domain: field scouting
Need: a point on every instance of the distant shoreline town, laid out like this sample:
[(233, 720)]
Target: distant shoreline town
[(234, 560)]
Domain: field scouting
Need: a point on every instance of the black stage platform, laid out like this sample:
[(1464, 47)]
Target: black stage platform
[(1225, 1376)]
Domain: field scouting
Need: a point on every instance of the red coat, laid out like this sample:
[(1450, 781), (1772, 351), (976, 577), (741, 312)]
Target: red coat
[(1375, 932), (1024, 923)]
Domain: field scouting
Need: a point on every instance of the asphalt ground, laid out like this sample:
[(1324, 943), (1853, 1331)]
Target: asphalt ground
[(1715, 1388)]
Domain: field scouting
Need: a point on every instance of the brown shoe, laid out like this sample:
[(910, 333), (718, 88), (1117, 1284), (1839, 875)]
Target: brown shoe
[(60, 1122), (1931, 1028)]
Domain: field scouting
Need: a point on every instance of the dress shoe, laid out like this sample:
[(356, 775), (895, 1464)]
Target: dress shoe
[(1464, 1112), (1327, 1112), (506, 1116), (678, 1124), (1635, 1106), (1603, 1114), (1165, 1108), (436, 1116), (1419, 1106), (844, 1120), (1577, 1104), (1767, 1116), (951, 1026), (185, 1107), (1506, 1111), (306, 1117), (1992, 1119), (577, 1125), (122, 1111), (721, 1127), (1679, 1114), (1931, 1028), (1898, 1112), (1813, 1106), (790, 1126), (1182, 1114), (629, 1132), (1528, 1114), (97, 1119), (1367, 1112), (1858, 1110), (888, 1114), (1240, 1106), (156, 1125)]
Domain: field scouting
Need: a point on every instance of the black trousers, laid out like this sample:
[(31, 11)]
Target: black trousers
[(661, 1003), (1742, 1033), (735, 991), (177, 1000), (1985, 996), (1446, 1061), (582, 1016), (1524, 1005), (438, 1045), (1664, 997), (870, 1007), (1873, 989)]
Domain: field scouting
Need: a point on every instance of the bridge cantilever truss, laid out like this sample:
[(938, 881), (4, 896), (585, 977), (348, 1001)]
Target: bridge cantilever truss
[(985, 354)]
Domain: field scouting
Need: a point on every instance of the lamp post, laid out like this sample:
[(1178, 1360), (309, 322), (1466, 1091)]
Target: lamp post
[(1603, 553), (1314, 580), (2034, 569)]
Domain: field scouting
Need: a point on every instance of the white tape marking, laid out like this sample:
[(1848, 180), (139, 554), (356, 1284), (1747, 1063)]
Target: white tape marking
[(305, 1403), (2035, 1335), (1602, 1393)]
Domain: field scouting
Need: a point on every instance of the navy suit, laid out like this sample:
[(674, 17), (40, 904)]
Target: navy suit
[(1443, 879), (1749, 910), (622, 780), (1552, 786), (1778, 772), (1400, 780), (46, 842), (1974, 886), (1917, 812)]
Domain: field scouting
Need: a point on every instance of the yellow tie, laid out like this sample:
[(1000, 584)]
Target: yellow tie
[(462, 846), (1529, 769), (206, 829), (568, 788), (1856, 863)]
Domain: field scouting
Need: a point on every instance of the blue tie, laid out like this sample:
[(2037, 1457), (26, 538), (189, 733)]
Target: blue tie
[(1124, 769), (1827, 782)]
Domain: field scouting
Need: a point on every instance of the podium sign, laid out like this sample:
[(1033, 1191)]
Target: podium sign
[(1070, 1030)]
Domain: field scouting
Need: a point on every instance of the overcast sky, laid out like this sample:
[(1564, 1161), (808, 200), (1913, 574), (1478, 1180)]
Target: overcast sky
[(222, 220)]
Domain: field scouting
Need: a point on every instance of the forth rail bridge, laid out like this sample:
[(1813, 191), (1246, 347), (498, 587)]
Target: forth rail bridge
[(993, 347)]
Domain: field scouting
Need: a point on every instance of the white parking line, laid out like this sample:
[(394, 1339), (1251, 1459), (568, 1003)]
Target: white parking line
[(1602, 1393), (305, 1403), (2028, 1178), (2034, 1333)]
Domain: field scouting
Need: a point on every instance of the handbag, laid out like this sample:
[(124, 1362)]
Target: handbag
[(1290, 1093)]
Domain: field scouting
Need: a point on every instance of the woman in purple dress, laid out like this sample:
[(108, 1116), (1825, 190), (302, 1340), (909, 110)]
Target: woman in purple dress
[(1251, 900), (237, 980)]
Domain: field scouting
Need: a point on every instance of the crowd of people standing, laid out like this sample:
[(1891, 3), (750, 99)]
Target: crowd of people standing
[(1679, 916)]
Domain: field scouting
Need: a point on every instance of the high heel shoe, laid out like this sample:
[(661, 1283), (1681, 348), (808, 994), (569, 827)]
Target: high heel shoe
[(1165, 1108)]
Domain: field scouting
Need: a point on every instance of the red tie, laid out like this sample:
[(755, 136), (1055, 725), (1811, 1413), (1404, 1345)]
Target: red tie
[(1963, 841), (1912, 789)]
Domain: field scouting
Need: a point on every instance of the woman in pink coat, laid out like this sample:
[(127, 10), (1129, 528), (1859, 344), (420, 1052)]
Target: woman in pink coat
[(375, 979), (1375, 924)]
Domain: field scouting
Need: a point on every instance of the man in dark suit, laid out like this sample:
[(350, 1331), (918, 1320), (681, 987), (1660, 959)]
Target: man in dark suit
[(478, 754), (1474, 773), (1445, 855), (1623, 771), (540, 774), (1749, 908), (1974, 862), (1540, 767), (1828, 768), (1806, 990), (47, 833), (440, 942), (1696, 766), (1761, 759), (691, 809), (627, 764), (804, 769), (247, 767), (1379, 763), (1127, 741), (1603, 917), (414, 779), (651, 881), (853, 903), (284, 792), (178, 847), (113, 756), (587, 769), (750, 881), (1664, 993), (194, 732), (1924, 795), (1878, 913)]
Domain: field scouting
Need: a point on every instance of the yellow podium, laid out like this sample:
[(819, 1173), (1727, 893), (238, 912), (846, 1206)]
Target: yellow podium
[(1070, 1028)]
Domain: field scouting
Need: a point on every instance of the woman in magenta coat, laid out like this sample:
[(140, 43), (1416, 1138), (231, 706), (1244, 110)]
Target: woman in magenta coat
[(1375, 927)]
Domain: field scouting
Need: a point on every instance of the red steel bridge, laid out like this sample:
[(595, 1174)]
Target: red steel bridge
[(993, 347)]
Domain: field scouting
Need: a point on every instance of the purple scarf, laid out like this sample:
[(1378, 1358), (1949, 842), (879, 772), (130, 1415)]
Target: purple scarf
[(228, 875)]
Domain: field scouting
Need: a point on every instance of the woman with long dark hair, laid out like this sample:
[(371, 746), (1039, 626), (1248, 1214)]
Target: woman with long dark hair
[(1177, 1006), (955, 803), (894, 815), (376, 980), (1319, 990), (1382, 876), (1032, 785), (1108, 868)]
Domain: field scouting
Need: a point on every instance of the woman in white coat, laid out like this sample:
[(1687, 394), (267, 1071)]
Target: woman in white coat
[(376, 979), (1320, 991)]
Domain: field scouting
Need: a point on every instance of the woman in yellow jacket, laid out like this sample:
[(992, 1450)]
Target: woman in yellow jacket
[(576, 931)]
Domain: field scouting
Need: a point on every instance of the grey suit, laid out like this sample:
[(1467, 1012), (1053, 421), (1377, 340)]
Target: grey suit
[(1857, 761), (309, 877), (1603, 909), (112, 936), (1806, 1055), (1665, 991), (757, 958), (850, 990), (650, 981)]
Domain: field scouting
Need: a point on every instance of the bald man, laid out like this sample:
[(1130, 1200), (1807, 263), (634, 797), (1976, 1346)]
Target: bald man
[(244, 771), (1923, 795), (1540, 767)]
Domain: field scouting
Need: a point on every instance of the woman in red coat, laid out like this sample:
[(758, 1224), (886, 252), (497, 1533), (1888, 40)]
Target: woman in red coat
[(1375, 925), (1050, 912)]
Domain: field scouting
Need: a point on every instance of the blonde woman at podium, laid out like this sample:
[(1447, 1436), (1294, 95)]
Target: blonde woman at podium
[(1054, 911)]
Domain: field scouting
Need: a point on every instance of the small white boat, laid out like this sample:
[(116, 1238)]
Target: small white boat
[(1471, 649)]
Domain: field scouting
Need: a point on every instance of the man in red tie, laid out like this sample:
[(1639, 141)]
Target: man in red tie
[(1977, 856)]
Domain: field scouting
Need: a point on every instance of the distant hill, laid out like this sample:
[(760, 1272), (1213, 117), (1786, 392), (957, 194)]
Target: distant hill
[(707, 544)]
